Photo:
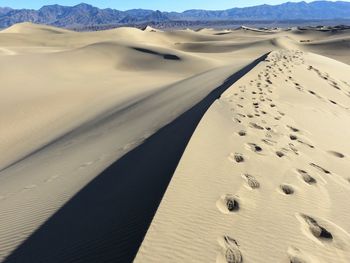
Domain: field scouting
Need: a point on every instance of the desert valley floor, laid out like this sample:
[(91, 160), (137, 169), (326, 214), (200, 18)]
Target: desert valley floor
[(174, 146)]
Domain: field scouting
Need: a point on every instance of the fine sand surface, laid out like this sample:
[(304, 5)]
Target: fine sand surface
[(265, 177), (72, 104)]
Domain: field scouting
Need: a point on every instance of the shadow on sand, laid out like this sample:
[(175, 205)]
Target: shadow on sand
[(107, 220)]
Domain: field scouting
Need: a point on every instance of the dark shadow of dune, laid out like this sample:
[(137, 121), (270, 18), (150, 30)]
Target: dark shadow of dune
[(222, 33), (107, 220), (171, 57), (165, 56)]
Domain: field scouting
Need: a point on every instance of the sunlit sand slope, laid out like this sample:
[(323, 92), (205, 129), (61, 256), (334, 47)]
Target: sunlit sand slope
[(265, 176)]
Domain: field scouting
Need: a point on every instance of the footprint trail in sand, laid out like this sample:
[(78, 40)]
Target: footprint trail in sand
[(273, 152)]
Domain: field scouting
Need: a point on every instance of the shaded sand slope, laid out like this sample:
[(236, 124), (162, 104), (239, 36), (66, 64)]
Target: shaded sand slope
[(108, 219), (265, 176), (37, 185), (74, 103)]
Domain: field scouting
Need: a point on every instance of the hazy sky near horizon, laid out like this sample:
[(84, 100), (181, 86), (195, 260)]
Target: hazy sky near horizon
[(163, 5)]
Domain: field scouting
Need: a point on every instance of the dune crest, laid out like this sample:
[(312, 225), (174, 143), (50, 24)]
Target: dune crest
[(31, 28)]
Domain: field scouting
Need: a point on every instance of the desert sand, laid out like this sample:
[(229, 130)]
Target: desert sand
[(263, 177)]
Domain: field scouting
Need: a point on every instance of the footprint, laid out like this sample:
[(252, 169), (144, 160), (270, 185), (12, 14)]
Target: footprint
[(255, 126), (335, 85), (296, 259), (336, 154), (293, 137), (287, 189), (237, 120), (232, 205), (237, 157), (316, 229), (306, 177), (242, 133), (293, 128), (296, 255), (233, 256), (228, 204), (269, 142), (255, 148), (280, 154), (231, 252), (256, 104), (293, 148), (320, 168), (251, 181), (307, 144)]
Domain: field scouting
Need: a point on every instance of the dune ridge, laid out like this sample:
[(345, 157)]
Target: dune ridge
[(258, 182)]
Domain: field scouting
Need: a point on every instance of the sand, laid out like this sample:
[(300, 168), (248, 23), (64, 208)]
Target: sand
[(74, 103), (264, 177)]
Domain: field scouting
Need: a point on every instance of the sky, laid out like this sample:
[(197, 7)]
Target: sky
[(163, 5)]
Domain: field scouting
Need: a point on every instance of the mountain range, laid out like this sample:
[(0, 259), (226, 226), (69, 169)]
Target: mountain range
[(87, 15)]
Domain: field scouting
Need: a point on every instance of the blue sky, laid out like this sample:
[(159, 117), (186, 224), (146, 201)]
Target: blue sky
[(164, 5)]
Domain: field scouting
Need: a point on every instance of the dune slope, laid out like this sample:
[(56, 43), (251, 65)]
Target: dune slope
[(265, 176), (74, 103)]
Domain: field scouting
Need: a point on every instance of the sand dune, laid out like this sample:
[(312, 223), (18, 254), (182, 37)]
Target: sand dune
[(73, 104), (30, 28), (264, 178)]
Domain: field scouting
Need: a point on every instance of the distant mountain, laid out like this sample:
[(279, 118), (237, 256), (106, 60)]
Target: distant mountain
[(87, 15), (142, 15), (4, 10), (79, 15)]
